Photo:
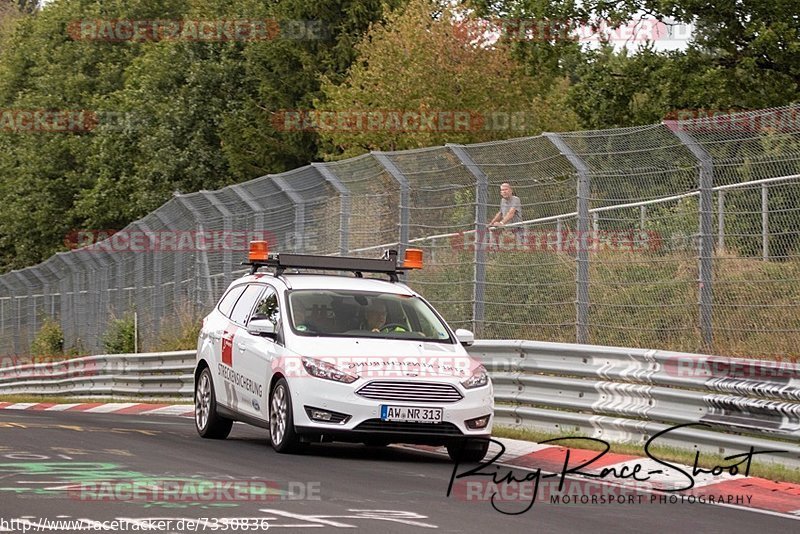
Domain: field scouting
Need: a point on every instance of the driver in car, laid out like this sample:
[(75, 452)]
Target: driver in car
[(375, 316)]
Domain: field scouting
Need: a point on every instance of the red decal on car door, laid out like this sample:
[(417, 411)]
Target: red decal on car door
[(227, 346)]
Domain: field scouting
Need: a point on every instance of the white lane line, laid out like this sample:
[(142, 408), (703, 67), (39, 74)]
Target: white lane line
[(110, 407), (61, 407)]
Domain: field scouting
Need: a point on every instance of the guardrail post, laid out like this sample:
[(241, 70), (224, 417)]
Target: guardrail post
[(479, 260), (405, 196), (344, 211), (582, 271), (299, 212), (706, 208)]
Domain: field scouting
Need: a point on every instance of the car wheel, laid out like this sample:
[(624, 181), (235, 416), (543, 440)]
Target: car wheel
[(468, 450), (281, 421), (208, 422)]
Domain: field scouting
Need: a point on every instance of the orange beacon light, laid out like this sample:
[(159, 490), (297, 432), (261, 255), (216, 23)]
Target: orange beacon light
[(413, 259), (259, 251)]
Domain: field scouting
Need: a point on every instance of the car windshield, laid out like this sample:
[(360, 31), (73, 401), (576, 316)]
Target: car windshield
[(362, 314)]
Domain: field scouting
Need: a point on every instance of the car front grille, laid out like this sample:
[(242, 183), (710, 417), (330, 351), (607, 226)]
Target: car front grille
[(433, 429), (428, 392)]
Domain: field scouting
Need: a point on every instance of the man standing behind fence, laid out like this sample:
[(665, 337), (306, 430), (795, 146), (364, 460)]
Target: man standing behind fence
[(510, 211)]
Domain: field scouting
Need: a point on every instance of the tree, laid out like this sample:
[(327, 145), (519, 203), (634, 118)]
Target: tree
[(424, 61), (744, 55), (42, 67), (174, 114)]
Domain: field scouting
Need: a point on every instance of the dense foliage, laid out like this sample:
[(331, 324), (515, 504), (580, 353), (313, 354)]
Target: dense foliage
[(189, 114)]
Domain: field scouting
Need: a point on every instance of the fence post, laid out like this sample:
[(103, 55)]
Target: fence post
[(765, 222), (721, 220), (12, 299), (299, 212), (582, 256), (54, 281), (559, 236), (46, 290), (227, 229), (706, 253), (479, 259), (69, 307), (30, 320), (201, 256), (405, 195), (344, 210)]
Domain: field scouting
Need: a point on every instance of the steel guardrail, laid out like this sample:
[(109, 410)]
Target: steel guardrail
[(611, 393)]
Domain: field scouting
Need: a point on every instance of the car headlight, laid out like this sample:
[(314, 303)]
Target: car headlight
[(327, 371), (479, 378)]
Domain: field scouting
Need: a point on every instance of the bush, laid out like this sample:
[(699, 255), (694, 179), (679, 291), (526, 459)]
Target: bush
[(49, 340), (180, 332), (120, 338)]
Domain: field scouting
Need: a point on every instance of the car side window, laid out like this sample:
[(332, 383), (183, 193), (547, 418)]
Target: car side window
[(241, 311), (226, 304), (268, 307)]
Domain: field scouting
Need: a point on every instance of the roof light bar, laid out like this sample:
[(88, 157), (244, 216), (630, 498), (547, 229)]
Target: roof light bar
[(259, 257)]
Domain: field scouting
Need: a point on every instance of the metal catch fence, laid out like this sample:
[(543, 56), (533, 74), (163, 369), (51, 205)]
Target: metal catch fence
[(680, 236)]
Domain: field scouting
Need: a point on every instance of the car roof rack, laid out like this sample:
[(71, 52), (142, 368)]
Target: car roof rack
[(282, 261)]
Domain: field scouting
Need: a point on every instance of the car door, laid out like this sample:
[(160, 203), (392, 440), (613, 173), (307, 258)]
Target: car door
[(258, 352), (211, 335), (236, 384)]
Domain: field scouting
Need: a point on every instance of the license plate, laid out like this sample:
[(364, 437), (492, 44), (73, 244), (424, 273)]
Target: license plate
[(411, 414)]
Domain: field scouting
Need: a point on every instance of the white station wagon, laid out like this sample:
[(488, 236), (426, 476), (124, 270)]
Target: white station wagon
[(339, 357)]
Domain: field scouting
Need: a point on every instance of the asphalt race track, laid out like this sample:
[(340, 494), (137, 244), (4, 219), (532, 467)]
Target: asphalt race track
[(95, 468)]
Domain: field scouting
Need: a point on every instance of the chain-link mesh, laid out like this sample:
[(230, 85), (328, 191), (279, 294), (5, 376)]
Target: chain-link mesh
[(690, 240)]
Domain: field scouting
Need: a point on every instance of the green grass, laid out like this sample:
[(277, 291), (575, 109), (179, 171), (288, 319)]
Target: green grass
[(775, 472), (637, 299)]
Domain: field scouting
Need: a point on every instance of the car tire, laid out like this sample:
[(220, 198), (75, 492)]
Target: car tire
[(282, 434), (207, 421), (470, 450)]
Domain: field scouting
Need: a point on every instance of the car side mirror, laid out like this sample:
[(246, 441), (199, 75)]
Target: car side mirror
[(262, 327), (465, 337)]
